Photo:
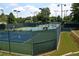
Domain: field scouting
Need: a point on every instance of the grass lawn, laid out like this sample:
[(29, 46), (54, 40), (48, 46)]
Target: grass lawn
[(67, 44)]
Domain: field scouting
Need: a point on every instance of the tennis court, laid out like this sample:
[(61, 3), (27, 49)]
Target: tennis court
[(31, 40)]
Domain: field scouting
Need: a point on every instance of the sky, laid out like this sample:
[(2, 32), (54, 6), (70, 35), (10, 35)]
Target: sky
[(30, 9)]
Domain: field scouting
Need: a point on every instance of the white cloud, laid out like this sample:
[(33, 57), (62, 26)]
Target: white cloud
[(31, 8), (1, 8), (19, 8), (13, 4), (27, 10)]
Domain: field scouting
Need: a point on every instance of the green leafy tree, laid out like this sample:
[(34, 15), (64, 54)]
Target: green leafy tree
[(43, 15), (67, 19), (35, 19), (59, 19), (3, 18), (53, 19), (11, 18), (28, 19), (20, 20), (75, 12)]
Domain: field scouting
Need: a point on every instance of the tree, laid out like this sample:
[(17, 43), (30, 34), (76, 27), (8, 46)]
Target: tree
[(3, 18), (59, 19), (28, 19), (11, 18), (43, 15), (53, 19), (75, 12), (20, 20), (67, 19), (34, 19)]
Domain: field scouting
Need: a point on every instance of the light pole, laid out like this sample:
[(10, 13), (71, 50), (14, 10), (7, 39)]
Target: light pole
[(61, 5), (31, 16), (16, 12), (35, 13), (65, 12), (65, 15), (56, 13)]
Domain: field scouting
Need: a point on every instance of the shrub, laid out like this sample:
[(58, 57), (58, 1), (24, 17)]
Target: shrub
[(2, 26)]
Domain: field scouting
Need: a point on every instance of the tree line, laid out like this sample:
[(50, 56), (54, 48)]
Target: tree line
[(43, 16)]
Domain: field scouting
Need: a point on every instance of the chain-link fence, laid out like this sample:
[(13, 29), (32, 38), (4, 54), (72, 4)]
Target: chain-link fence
[(30, 40)]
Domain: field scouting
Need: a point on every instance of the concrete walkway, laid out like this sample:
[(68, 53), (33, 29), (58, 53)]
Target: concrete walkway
[(70, 53), (14, 54), (75, 34)]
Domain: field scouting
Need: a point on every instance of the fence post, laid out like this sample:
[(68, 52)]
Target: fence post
[(9, 39)]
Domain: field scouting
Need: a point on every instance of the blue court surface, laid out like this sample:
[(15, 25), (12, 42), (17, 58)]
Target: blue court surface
[(25, 33)]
